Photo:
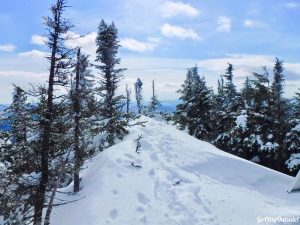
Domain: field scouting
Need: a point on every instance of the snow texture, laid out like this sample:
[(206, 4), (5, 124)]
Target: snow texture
[(241, 121), (181, 181)]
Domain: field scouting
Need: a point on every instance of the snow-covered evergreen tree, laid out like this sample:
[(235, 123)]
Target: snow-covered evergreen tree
[(227, 111), (138, 87), (292, 139), (19, 159), (82, 101), (53, 120), (280, 124), (114, 119), (193, 112), (154, 102)]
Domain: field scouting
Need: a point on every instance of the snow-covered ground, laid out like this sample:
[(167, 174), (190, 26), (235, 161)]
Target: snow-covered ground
[(182, 181)]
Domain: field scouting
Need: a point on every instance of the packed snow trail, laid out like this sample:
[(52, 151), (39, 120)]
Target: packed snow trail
[(174, 180)]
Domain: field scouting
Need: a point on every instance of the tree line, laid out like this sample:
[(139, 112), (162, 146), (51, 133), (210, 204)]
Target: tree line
[(55, 127), (256, 123)]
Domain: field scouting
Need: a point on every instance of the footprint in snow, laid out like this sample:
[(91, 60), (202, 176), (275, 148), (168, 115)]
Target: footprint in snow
[(113, 214), (144, 219), (129, 156), (154, 157), (115, 192), (142, 198), (151, 172), (140, 209)]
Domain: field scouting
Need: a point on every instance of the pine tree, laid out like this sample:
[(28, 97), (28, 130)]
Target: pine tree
[(57, 27), (297, 98), (277, 88), (138, 87), (154, 102), (292, 139), (227, 110), (16, 197), (82, 99), (106, 54), (247, 92), (278, 108), (262, 94), (77, 95), (193, 112), (128, 99)]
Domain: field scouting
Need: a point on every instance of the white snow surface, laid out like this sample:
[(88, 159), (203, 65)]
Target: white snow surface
[(241, 121), (214, 188)]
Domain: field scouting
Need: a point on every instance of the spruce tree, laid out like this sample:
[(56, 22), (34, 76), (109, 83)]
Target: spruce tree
[(128, 100), (280, 125), (247, 92), (154, 102), (227, 110), (82, 96), (106, 54), (17, 153), (292, 139), (57, 27), (193, 112), (138, 87)]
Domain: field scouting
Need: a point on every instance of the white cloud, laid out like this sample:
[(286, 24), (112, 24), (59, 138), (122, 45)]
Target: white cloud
[(171, 9), (87, 42), (224, 24), (244, 64), (179, 32), (253, 24), (292, 5), (7, 48), (248, 23), (138, 46), (33, 54), (38, 39), (23, 74)]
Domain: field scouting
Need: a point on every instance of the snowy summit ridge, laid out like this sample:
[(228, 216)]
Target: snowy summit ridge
[(175, 179)]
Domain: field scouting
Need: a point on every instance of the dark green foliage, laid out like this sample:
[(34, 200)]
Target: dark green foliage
[(154, 102), (257, 123), (114, 120), (193, 111)]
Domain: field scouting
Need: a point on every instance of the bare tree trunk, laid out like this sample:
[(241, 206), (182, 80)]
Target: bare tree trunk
[(56, 185), (127, 101), (77, 110), (40, 196)]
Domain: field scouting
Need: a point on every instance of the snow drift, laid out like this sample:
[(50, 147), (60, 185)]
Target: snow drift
[(176, 180)]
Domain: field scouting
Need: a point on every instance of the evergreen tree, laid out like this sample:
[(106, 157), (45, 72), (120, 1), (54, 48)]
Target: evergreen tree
[(82, 96), (280, 125), (57, 27), (247, 92), (297, 108), (292, 139), (277, 89), (138, 87), (106, 54), (154, 102), (193, 112), (19, 157), (228, 108), (262, 94)]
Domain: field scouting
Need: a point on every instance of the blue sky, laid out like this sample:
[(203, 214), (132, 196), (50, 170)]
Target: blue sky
[(160, 39)]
